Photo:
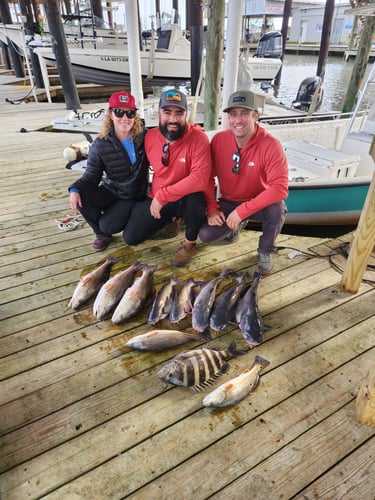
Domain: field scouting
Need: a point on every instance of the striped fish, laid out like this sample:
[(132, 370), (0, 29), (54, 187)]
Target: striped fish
[(198, 368)]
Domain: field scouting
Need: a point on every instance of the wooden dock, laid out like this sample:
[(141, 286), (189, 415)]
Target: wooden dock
[(83, 417)]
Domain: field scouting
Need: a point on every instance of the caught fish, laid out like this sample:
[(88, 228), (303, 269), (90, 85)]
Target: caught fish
[(183, 301), (247, 314), (156, 340), (235, 390), (136, 296), (198, 368), (223, 308), (204, 302), (162, 304), (91, 283), (111, 292)]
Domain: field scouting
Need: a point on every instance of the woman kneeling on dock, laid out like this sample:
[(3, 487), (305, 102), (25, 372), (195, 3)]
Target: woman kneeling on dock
[(118, 152)]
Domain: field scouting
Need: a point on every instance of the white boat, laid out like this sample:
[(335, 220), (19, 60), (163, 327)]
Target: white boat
[(169, 60), (329, 185)]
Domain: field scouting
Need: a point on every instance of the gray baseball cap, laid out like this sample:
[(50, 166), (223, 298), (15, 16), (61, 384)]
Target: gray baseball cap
[(242, 99), (173, 98)]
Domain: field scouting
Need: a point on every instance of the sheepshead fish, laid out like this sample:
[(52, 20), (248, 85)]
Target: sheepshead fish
[(162, 304), (183, 301), (224, 304), (136, 296), (198, 368), (204, 302), (156, 340), (91, 283), (111, 292), (235, 390), (247, 314)]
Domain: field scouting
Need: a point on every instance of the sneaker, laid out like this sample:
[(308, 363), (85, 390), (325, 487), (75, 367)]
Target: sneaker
[(101, 244), (169, 231), (235, 235), (184, 254), (265, 264)]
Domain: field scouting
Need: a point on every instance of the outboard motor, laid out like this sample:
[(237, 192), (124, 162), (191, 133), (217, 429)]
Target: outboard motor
[(270, 45), (305, 93)]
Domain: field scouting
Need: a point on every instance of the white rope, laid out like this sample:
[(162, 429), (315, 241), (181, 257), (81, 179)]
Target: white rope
[(70, 222)]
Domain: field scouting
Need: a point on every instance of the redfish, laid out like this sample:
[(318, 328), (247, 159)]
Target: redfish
[(111, 292), (136, 296), (156, 340), (91, 283), (235, 390)]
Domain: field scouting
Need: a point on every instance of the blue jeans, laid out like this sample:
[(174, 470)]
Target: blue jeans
[(272, 219)]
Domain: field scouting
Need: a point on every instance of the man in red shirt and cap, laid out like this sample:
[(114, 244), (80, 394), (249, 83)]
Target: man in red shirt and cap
[(252, 173), (179, 154)]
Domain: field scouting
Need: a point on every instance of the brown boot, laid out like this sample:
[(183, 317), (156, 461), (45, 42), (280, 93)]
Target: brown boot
[(169, 231), (184, 253)]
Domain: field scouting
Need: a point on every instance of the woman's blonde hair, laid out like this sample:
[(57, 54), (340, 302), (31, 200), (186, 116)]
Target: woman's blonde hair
[(137, 127)]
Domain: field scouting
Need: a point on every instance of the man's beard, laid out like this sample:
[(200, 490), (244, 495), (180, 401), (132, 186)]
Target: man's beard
[(175, 134)]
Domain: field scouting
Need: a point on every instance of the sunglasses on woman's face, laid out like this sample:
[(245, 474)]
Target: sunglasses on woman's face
[(119, 113)]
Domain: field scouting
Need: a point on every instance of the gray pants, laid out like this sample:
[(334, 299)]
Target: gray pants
[(272, 219)]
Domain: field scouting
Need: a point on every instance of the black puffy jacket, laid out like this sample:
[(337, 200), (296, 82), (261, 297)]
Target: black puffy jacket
[(109, 163)]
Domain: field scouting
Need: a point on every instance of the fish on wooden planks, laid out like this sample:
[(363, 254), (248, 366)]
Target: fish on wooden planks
[(111, 292), (157, 340), (91, 283), (223, 308), (183, 301), (248, 316), (162, 304), (136, 296), (198, 368), (204, 302), (236, 389)]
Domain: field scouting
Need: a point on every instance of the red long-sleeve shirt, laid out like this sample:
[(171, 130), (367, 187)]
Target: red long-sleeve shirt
[(263, 177), (189, 166)]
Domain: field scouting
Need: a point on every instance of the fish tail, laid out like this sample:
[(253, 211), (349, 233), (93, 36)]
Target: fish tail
[(234, 351), (206, 335), (261, 361)]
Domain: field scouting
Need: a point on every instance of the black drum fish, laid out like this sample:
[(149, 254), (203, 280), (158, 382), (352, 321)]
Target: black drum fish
[(247, 314), (198, 368)]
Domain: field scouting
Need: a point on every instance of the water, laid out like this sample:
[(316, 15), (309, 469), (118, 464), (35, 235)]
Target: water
[(298, 67), (336, 80)]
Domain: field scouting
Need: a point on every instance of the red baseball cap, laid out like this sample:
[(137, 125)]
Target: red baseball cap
[(122, 100)]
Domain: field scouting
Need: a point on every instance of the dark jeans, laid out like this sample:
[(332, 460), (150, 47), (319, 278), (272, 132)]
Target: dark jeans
[(105, 212), (142, 225), (271, 217)]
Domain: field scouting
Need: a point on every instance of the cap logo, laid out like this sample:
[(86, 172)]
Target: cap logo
[(123, 98), (239, 99), (173, 96)]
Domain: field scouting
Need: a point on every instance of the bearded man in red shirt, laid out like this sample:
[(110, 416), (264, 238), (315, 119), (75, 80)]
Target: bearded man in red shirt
[(179, 154), (252, 174)]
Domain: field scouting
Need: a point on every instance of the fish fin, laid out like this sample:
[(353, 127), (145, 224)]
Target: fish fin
[(206, 335), (207, 383), (234, 351)]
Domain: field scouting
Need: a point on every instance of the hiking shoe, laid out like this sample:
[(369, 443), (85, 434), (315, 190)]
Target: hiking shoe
[(265, 264), (101, 244), (235, 235), (171, 230), (184, 254)]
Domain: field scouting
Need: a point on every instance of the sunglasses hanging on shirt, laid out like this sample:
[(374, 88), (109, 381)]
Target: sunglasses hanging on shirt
[(119, 113), (236, 158), (166, 154)]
